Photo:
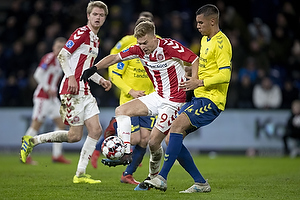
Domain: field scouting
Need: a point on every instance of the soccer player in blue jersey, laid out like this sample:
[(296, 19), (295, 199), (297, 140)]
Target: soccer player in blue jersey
[(210, 90)]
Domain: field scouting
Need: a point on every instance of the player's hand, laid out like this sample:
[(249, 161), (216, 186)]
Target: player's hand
[(105, 84), (72, 85), (88, 73), (136, 93), (190, 84)]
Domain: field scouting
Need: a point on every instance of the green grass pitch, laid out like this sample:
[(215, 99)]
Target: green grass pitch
[(230, 177)]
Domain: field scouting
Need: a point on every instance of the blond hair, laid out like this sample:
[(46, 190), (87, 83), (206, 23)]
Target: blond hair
[(98, 4), (143, 29)]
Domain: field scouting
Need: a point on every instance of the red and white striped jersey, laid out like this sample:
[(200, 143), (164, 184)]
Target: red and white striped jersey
[(164, 66), (47, 75), (83, 46)]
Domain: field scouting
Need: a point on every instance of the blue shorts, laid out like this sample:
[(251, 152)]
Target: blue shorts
[(138, 122), (200, 111)]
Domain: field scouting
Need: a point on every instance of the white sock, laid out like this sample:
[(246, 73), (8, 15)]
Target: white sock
[(31, 131), (57, 147), (124, 130), (85, 155), (155, 161), (55, 136)]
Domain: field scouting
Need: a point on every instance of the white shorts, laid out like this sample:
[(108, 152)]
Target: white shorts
[(165, 110), (43, 108), (75, 109)]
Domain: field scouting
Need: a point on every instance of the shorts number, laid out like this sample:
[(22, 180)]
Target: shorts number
[(163, 118)]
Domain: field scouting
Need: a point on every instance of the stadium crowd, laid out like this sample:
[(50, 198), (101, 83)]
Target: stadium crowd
[(265, 38)]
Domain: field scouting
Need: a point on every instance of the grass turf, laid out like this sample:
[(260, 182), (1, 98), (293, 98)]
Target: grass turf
[(230, 177)]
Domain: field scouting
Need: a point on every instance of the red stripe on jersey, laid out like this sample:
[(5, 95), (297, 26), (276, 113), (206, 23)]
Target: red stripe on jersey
[(176, 94), (159, 83), (79, 69), (65, 87), (173, 81), (50, 79), (92, 61)]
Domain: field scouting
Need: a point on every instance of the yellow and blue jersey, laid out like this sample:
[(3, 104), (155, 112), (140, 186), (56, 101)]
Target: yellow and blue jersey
[(215, 69)]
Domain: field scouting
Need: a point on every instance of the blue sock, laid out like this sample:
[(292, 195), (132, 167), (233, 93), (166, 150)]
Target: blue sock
[(98, 145), (137, 157), (186, 161), (171, 154)]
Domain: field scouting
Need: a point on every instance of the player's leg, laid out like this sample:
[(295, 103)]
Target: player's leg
[(89, 112), (190, 121), (57, 148), (94, 133), (172, 151), (123, 113), (28, 142), (134, 140), (156, 155)]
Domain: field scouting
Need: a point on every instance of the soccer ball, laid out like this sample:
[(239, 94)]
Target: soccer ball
[(113, 148)]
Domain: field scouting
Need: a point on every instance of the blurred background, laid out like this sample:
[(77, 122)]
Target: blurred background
[(265, 36)]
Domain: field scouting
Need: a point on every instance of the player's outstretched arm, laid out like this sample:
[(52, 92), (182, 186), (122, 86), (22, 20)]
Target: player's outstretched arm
[(103, 63)]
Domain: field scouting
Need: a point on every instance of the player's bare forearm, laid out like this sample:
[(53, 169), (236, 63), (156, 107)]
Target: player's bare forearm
[(107, 61)]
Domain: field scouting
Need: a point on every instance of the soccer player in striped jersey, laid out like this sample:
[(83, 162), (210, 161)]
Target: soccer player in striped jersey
[(210, 90), (163, 60), (78, 106), (132, 80)]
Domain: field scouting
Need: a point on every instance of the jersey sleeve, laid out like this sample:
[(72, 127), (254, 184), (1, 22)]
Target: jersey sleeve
[(177, 50), (223, 60), (130, 53)]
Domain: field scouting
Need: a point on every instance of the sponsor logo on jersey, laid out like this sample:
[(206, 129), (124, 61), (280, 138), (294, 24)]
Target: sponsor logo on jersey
[(70, 44), (158, 65)]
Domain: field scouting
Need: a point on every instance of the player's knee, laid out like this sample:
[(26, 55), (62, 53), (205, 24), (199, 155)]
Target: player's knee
[(144, 142), (95, 133), (153, 145), (119, 111), (73, 137)]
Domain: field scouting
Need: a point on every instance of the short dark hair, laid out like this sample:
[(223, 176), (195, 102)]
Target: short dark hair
[(146, 14), (207, 10), (142, 19)]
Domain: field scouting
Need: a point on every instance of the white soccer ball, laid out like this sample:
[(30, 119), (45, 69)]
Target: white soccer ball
[(113, 148)]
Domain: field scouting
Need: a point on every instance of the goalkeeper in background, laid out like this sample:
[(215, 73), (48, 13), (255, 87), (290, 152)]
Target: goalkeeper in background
[(132, 80)]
